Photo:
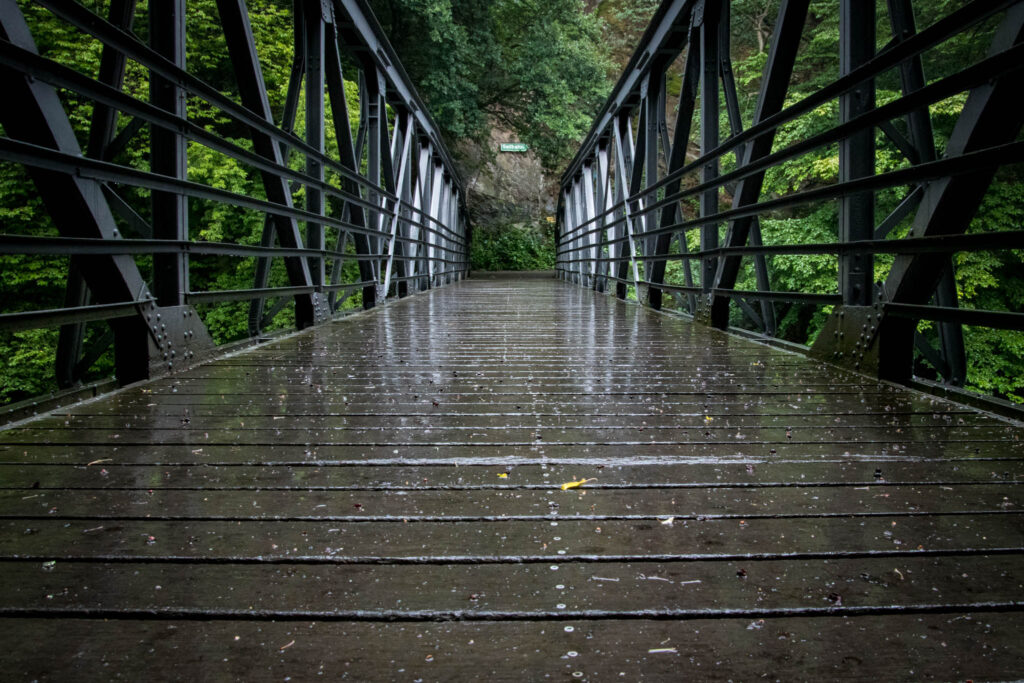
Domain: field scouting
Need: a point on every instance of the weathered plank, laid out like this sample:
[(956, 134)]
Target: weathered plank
[(380, 499), (513, 503), (487, 540), (493, 592), (977, 646), (114, 474)]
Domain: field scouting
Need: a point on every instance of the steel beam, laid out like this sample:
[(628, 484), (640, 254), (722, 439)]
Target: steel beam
[(677, 158), (168, 151), (315, 30), (990, 117), (77, 205), (252, 90), (856, 151), (71, 338), (771, 99), (349, 154), (951, 335), (707, 25)]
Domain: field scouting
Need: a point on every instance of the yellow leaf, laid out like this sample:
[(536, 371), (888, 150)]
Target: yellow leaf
[(575, 484), (503, 475)]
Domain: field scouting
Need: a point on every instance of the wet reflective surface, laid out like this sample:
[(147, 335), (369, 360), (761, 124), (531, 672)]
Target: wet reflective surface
[(382, 499)]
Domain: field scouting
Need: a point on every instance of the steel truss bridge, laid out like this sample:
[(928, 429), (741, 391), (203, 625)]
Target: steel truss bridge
[(504, 477), (623, 203)]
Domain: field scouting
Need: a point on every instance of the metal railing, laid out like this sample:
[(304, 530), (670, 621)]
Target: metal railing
[(122, 209), (637, 211)]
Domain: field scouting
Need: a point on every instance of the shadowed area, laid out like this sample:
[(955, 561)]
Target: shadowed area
[(382, 498)]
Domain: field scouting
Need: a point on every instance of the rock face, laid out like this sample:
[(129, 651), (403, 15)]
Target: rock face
[(505, 188)]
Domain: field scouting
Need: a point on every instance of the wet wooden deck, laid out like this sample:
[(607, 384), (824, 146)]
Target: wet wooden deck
[(380, 499)]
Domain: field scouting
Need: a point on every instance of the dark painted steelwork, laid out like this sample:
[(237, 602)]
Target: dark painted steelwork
[(168, 156), (402, 219), (856, 151), (646, 208)]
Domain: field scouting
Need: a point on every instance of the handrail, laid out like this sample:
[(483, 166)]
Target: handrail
[(625, 222), (400, 221)]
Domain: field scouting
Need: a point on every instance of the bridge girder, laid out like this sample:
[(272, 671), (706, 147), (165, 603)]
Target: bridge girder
[(393, 196), (651, 180)]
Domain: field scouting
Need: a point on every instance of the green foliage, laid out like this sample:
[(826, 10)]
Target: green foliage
[(542, 69), (32, 282), (537, 66), (625, 22), (512, 248), (27, 366), (985, 280), (994, 362)]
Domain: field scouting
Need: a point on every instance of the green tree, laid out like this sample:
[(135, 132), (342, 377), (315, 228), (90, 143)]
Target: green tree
[(536, 66)]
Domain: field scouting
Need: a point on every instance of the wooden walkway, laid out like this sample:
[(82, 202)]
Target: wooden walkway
[(381, 499)]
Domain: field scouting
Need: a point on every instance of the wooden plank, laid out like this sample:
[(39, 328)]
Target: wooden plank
[(508, 591), (591, 502), (624, 437), (508, 541), (506, 455), (940, 425), (977, 646), (305, 508), (117, 475)]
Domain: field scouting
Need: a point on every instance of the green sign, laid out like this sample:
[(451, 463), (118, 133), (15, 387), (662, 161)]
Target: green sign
[(514, 147)]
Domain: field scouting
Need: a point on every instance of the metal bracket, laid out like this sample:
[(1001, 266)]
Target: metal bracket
[(850, 338), (177, 337)]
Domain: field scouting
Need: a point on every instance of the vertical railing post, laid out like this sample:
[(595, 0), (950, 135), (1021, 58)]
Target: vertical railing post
[(709, 139), (453, 225), (856, 151), (376, 121), (579, 216), (400, 184), (434, 236), (314, 58), (567, 227), (457, 231), (420, 200), (591, 212), (168, 152), (605, 199), (446, 225), (654, 115)]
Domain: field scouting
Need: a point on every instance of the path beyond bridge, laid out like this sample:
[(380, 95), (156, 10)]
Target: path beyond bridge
[(381, 498)]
